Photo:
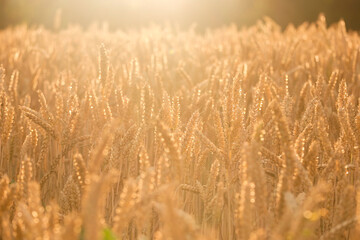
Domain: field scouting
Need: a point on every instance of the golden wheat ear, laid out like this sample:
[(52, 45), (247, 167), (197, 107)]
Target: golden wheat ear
[(36, 118)]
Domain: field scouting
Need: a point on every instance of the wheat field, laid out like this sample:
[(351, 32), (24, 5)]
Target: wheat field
[(163, 133)]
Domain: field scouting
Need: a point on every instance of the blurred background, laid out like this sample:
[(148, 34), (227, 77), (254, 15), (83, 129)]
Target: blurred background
[(206, 13)]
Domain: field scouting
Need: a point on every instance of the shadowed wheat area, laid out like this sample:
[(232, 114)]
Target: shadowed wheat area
[(172, 134)]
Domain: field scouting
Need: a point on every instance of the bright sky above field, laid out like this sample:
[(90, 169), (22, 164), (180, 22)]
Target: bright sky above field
[(133, 12), (205, 13)]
